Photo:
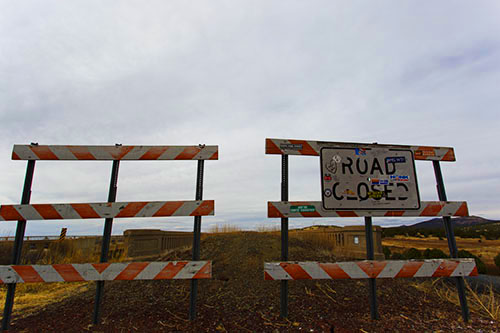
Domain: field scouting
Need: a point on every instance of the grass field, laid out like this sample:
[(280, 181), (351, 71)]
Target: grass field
[(485, 249)]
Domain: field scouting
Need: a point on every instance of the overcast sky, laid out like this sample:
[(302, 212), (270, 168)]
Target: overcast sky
[(231, 73)]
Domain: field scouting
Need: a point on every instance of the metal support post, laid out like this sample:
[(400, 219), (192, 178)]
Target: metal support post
[(370, 256), (106, 237), (196, 240), (284, 235), (452, 244), (18, 245)]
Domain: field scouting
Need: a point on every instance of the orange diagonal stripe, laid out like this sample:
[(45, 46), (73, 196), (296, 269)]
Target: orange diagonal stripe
[(188, 153), (432, 209), (306, 147), (131, 271), (85, 211), (81, 153), (347, 213), (205, 208), (449, 156), (372, 268), (205, 272), (273, 211), (409, 269), (334, 271), (215, 156), (101, 266), (295, 271), (131, 209), (462, 211), (153, 153), (27, 273), (47, 211), (118, 152), (170, 271), (15, 156), (271, 148), (9, 213), (394, 213), (169, 208), (68, 272), (445, 268), (43, 152)]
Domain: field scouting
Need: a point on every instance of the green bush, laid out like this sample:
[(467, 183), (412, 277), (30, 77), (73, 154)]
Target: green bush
[(434, 254), (481, 267), (412, 253), (387, 251), (397, 256), (497, 260)]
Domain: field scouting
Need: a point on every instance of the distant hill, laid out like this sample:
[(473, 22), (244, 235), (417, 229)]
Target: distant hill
[(468, 221)]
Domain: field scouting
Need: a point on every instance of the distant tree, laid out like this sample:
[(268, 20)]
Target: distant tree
[(412, 253), (397, 256), (481, 267), (497, 260), (387, 251), (433, 254)]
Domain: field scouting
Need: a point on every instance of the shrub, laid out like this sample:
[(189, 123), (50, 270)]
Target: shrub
[(497, 260), (387, 251), (481, 267), (433, 254), (397, 256), (412, 253)]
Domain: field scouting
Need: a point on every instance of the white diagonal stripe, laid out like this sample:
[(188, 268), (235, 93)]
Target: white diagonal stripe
[(48, 273), (9, 275), (66, 211), (191, 268), (151, 270), (464, 268), (62, 152), (391, 269), (275, 270), (24, 152), (113, 271), (108, 210), (314, 270), (28, 212), (150, 209), (428, 268), (353, 270), (100, 153), (88, 272)]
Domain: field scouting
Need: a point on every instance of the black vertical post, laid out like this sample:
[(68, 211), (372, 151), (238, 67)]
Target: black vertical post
[(106, 237), (284, 235), (452, 244), (18, 245), (196, 240), (370, 256)]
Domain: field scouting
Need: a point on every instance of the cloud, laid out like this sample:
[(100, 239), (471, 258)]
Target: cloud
[(234, 73)]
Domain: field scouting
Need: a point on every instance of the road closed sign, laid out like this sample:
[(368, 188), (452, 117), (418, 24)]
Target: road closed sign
[(368, 179)]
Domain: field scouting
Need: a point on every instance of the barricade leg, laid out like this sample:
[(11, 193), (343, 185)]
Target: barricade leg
[(370, 256), (18, 245)]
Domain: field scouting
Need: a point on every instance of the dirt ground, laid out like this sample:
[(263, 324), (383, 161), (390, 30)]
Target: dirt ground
[(237, 299)]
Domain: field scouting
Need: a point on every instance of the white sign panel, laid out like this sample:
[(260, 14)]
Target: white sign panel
[(368, 179)]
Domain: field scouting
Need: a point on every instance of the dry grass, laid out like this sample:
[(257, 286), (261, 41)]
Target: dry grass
[(485, 303), (30, 297), (268, 228), (223, 229), (320, 240)]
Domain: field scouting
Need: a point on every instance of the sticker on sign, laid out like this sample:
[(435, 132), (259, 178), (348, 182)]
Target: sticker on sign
[(301, 209), (369, 178)]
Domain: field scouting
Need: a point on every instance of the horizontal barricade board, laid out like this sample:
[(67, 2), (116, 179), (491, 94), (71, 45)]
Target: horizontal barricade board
[(370, 269), (106, 210), (167, 270), (107, 153), (285, 209), (312, 148)]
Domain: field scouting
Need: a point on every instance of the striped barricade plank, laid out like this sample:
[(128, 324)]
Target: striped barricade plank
[(370, 269), (315, 209), (106, 210), (312, 148), (60, 152), (167, 270)]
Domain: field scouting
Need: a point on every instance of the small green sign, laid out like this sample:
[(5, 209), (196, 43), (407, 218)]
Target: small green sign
[(300, 209)]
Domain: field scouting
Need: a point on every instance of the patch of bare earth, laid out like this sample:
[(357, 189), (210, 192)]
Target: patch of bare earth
[(237, 299)]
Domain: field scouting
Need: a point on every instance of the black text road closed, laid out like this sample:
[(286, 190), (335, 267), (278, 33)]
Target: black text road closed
[(368, 178)]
